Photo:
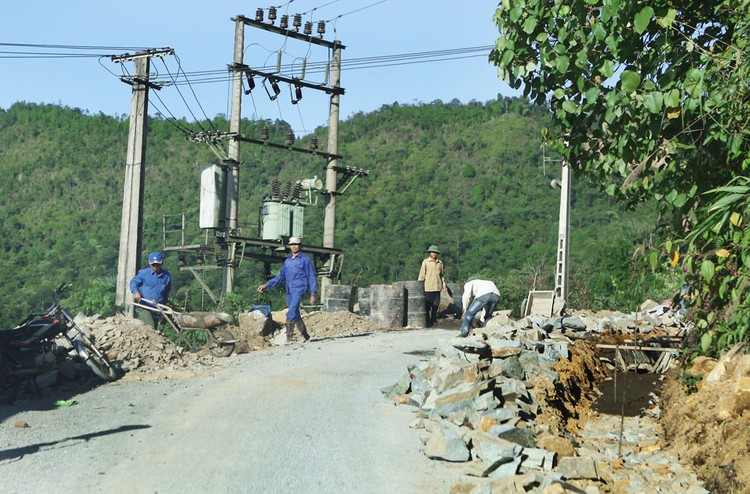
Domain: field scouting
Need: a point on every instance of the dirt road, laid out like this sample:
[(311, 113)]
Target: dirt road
[(293, 419)]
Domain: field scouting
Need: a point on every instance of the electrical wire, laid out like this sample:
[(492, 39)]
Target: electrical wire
[(212, 76)]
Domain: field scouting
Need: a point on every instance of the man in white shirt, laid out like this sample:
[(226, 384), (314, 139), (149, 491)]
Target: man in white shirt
[(485, 296)]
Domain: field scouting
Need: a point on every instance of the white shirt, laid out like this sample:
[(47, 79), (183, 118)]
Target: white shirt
[(477, 288)]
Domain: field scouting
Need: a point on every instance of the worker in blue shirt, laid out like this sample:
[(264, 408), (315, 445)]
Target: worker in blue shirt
[(298, 275), (151, 284)]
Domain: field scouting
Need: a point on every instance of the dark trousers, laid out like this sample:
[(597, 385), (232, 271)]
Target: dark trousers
[(431, 303)]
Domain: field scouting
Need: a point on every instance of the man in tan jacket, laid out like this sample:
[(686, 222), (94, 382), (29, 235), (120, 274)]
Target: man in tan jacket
[(433, 276)]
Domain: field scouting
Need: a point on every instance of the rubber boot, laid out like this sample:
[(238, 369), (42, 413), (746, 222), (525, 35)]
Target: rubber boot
[(289, 332), (303, 330)]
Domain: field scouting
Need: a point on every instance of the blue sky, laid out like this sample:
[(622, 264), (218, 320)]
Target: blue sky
[(202, 35)]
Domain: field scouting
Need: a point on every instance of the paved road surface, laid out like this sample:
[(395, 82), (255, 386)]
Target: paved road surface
[(294, 419)]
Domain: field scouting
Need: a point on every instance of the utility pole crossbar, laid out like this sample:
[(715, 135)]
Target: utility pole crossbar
[(289, 80), (290, 33)]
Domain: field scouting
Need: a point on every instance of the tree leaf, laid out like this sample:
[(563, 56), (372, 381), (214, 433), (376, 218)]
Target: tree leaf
[(643, 19), (529, 25), (708, 268), (562, 64), (736, 219), (630, 80), (653, 101), (668, 19), (607, 68), (570, 106), (694, 82), (674, 258)]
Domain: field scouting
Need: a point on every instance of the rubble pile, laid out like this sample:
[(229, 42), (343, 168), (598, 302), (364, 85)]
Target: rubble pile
[(507, 404), (142, 352)]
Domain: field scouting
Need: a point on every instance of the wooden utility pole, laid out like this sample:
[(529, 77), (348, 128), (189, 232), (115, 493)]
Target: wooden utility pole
[(131, 226)]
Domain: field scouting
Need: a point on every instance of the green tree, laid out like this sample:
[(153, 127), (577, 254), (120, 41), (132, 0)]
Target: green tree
[(651, 101)]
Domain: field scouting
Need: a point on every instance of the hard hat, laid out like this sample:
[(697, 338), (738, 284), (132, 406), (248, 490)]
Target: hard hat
[(294, 241), (433, 248), (155, 258)]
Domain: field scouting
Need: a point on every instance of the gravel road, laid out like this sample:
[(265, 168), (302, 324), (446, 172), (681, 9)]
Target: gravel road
[(304, 418)]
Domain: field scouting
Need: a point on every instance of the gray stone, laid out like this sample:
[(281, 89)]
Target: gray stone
[(446, 443), (400, 388), (504, 414), (537, 459), (522, 437), (505, 469), (578, 467), (511, 367), (491, 448), (573, 322)]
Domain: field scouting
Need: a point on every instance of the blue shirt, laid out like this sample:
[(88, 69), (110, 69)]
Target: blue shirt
[(152, 286), (298, 275)]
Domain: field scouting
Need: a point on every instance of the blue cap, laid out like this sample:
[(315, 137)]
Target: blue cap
[(155, 258)]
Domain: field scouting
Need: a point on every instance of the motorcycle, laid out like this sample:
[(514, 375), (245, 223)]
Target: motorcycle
[(42, 342)]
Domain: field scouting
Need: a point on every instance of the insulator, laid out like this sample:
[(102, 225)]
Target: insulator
[(297, 93), (321, 27), (272, 14), (304, 68), (328, 69), (265, 133), (250, 83), (181, 259), (278, 62), (275, 188), (288, 190), (297, 22), (217, 255), (289, 138), (314, 143), (201, 257), (284, 22), (259, 15), (297, 191), (308, 28)]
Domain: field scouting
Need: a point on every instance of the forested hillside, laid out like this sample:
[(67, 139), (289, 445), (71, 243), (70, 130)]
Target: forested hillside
[(469, 178)]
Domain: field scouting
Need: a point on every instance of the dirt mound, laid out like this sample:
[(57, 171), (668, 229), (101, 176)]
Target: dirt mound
[(147, 354), (708, 428), (144, 353), (567, 403)]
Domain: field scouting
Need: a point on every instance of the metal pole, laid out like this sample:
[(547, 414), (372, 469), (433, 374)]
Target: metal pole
[(561, 270), (233, 162), (329, 225), (131, 225)]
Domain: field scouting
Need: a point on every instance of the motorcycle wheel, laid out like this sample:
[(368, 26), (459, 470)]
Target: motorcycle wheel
[(9, 387), (98, 362), (217, 345)]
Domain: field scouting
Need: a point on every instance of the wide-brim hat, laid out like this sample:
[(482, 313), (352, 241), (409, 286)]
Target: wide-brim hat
[(433, 248)]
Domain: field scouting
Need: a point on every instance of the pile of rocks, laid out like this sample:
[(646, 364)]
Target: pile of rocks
[(500, 401)]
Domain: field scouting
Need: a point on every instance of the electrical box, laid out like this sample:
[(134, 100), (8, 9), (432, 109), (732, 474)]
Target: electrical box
[(279, 219), (213, 198)]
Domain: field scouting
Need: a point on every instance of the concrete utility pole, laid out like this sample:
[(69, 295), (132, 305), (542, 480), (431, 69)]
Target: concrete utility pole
[(561, 269), (131, 226), (329, 223), (233, 162)]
